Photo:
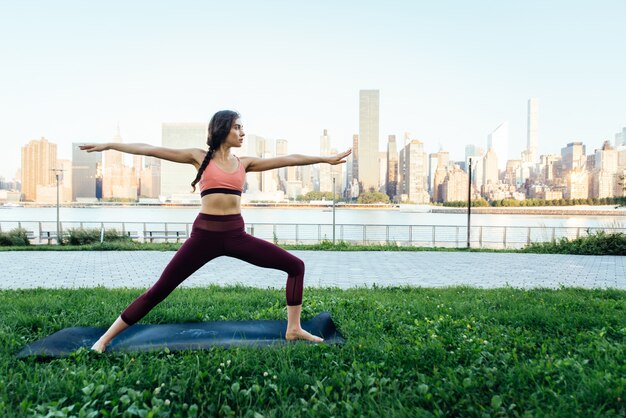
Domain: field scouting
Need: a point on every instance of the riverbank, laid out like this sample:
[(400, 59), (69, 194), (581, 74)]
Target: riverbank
[(588, 210), (611, 210)]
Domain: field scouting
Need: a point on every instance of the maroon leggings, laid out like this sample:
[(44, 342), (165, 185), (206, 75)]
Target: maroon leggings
[(213, 236)]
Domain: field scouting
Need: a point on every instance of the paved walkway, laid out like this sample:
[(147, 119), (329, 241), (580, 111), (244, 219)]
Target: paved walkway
[(139, 269)]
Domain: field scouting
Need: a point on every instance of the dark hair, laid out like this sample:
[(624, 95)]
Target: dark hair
[(219, 128)]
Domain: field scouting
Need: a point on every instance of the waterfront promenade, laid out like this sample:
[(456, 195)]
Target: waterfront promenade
[(139, 269)]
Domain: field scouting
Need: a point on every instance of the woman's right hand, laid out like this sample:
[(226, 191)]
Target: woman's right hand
[(94, 147)]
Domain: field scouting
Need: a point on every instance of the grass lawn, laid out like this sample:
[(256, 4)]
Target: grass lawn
[(409, 352)]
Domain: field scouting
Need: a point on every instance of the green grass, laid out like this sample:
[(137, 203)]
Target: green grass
[(409, 352)]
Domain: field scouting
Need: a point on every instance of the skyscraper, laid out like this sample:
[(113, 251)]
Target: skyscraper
[(573, 156), (620, 138), (39, 159), (490, 167), (151, 178), (454, 187), (368, 139), (441, 160), (392, 167), (354, 158), (84, 173), (282, 148), (413, 165), (176, 178), (119, 180), (326, 181), (605, 172), (498, 140), (530, 154)]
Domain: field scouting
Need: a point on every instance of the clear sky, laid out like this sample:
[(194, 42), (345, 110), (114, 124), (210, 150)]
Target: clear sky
[(449, 72)]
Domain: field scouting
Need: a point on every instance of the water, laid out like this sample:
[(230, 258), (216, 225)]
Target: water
[(307, 216)]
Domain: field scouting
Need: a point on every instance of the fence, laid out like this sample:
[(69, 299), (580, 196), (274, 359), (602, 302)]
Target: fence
[(496, 237)]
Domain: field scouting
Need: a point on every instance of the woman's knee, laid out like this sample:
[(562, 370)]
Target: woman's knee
[(297, 268)]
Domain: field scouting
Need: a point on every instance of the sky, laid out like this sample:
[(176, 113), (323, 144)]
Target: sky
[(448, 72)]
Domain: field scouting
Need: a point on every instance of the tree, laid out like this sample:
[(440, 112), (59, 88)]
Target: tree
[(373, 197), (316, 196)]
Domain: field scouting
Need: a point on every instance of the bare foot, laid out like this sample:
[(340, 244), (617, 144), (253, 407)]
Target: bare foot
[(300, 334), (99, 347)]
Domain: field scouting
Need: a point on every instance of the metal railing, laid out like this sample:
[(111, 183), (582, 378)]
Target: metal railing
[(496, 237)]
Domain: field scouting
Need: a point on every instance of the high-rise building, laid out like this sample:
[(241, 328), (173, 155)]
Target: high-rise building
[(382, 171), (439, 174), (119, 180), (498, 140), (455, 185), (39, 159), (475, 153), (514, 174), (352, 170), (368, 175), (391, 180), (48, 194), (490, 168), (176, 178), (326, 181), (576, 184), (605, 172), (150, 178), (620, 138), (433, 162), (573, 156), (530, 154), (84, 173), (282, 148), (413, 167), (337, 175), (549, 168)]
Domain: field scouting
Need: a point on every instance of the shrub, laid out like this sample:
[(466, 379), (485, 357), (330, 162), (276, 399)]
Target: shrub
[(15, 237), (84, 236), (600, 243)]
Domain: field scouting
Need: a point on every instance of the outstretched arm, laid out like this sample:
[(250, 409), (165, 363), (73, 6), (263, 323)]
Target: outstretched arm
[(264, 164), (187, 156)]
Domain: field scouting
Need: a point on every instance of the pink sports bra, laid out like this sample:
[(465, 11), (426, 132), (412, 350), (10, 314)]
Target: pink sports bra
[(216, 180)]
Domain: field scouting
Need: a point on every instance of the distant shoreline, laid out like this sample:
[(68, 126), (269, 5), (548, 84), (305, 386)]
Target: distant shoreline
[(604, 210), (541, 210)]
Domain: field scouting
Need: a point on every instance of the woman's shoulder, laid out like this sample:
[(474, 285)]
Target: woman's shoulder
[(245, 160)]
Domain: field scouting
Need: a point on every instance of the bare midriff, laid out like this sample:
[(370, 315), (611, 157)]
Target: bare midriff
[(221, 204)]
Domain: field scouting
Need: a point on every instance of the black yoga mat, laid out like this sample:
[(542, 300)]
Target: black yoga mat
[(176, 337)]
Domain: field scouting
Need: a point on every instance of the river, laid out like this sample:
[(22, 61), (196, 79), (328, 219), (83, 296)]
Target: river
[(314, 215)]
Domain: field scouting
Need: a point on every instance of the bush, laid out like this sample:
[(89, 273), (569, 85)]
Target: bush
[(84, 236), (15, 237), (600, 243)]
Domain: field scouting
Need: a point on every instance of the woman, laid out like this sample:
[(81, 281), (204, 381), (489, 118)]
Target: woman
[(219, 228)]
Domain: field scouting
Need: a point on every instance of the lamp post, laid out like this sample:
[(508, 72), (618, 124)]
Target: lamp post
[(333, 210), (469, 201), (57, 174)]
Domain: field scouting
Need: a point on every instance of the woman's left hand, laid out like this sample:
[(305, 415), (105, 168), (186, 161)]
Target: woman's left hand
[(339, 158)]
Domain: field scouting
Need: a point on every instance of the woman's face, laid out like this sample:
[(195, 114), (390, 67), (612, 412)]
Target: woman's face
[(236, 134)]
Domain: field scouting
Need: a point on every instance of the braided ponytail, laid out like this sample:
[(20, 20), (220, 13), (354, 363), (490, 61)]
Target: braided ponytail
[(205, 162), (219, 128)]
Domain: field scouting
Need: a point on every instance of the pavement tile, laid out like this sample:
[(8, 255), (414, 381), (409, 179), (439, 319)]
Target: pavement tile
[(139, 269)]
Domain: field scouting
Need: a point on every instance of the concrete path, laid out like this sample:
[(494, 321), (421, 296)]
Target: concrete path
[(139, 269)]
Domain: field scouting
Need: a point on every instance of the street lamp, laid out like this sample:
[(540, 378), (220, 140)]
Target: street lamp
[(57, 174), (333, 210), (469, 201)]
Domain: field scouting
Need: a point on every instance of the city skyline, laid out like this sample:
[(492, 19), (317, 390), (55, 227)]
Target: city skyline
[(447, 73)]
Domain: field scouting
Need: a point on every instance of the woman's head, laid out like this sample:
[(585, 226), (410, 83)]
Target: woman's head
[(220, 127)]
